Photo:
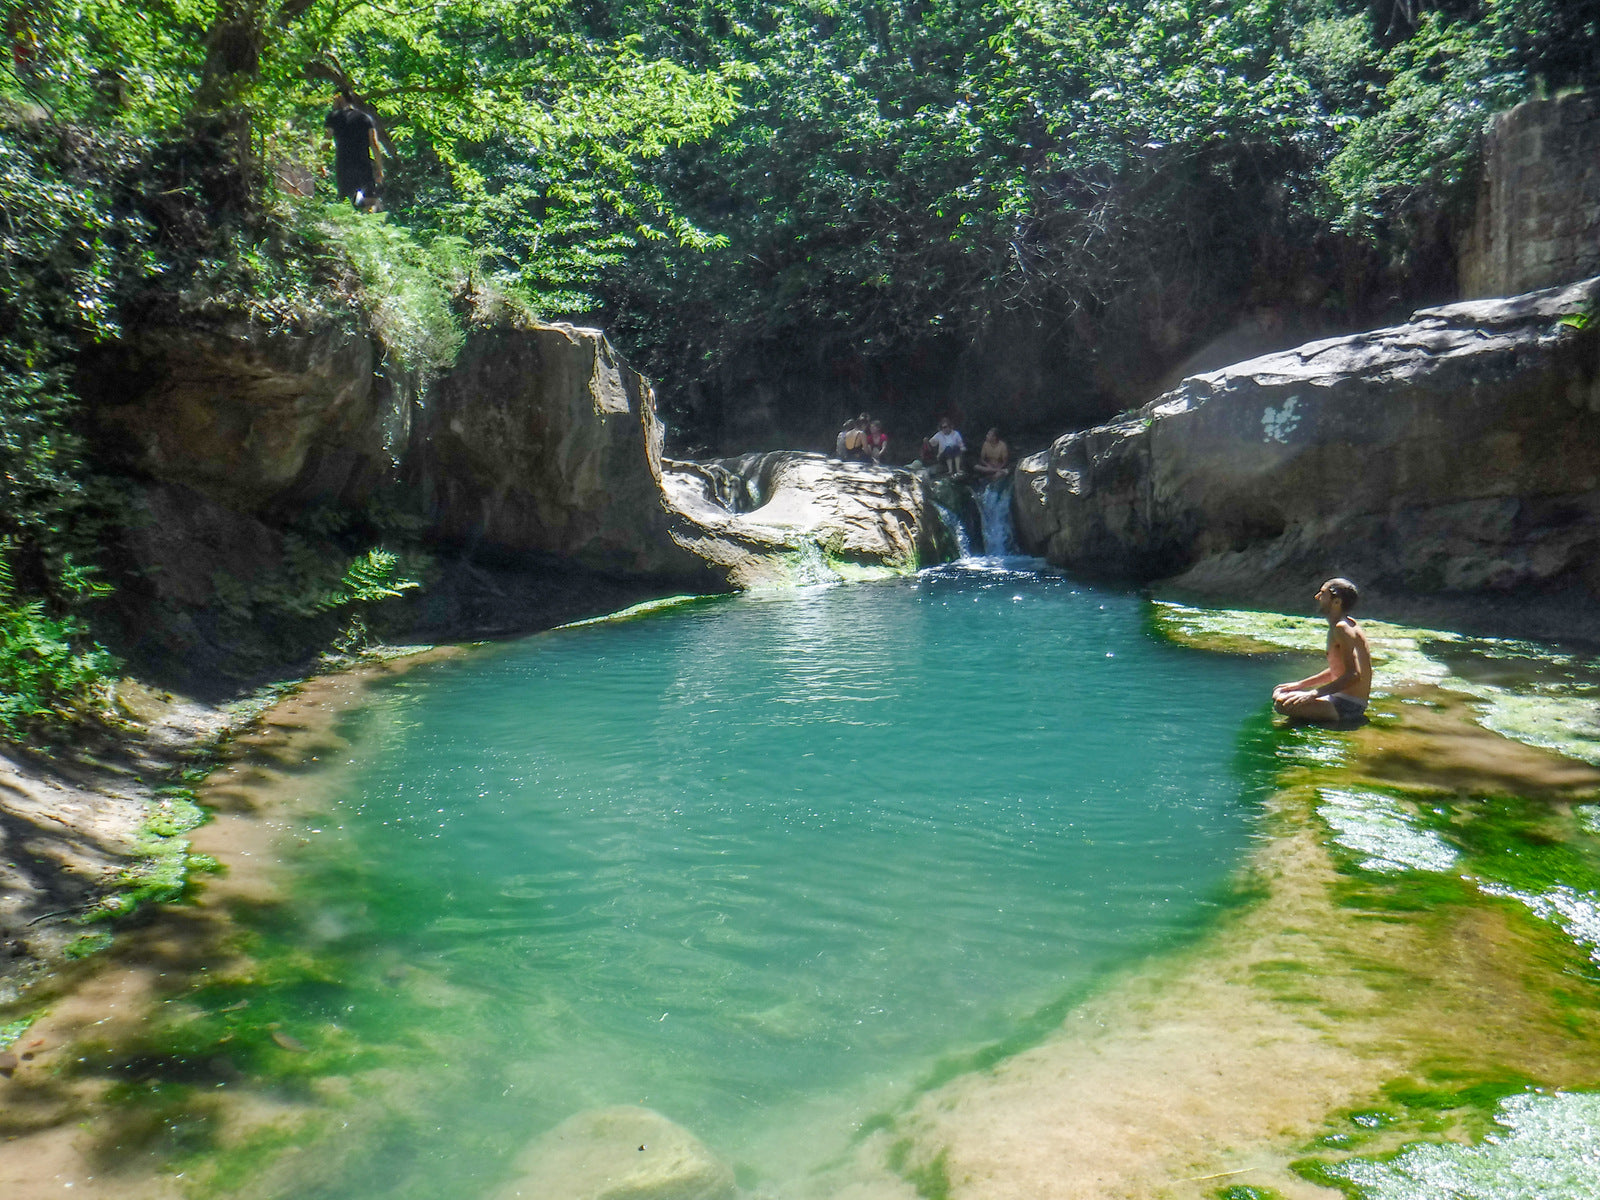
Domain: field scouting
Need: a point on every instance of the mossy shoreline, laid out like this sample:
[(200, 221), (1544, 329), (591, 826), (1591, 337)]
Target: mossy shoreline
[(1411, 994)]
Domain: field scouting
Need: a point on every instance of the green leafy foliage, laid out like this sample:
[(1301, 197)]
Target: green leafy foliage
[(1415, 146), (50, 669), (408, 283), (513, 125), (903, 177), (370, 578)]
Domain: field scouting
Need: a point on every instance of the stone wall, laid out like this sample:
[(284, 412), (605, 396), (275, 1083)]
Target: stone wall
[(1538, 217)]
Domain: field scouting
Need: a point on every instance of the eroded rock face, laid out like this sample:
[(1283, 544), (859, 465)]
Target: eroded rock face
[(1458, 453), (539, 443), (250, 415), (543, 439), (1538, 213), (621, 1153), (787, 516)]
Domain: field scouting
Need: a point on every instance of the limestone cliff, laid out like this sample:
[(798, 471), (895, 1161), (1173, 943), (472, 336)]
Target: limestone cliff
[(539, 451), (1457, 455), (1538, 211)]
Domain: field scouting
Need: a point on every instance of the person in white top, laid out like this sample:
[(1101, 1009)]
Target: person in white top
[(947, 444)]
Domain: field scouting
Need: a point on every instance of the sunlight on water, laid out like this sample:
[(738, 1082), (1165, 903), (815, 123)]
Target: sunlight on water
[(1383, 833), (1549, 1148), (757, 864)]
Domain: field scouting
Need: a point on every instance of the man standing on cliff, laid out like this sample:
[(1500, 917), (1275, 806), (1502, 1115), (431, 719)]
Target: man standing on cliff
[(1339, 693), (357, 157)]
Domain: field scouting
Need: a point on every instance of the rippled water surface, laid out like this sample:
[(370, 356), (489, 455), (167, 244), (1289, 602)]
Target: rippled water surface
[(764, 864)]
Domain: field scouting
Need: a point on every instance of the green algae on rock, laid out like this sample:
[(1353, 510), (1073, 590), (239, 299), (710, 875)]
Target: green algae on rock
[(1551, 701), (1576, 913), (1547, 1146), (1381, 831)]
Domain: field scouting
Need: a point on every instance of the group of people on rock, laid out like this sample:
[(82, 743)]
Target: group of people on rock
[(863, 440)]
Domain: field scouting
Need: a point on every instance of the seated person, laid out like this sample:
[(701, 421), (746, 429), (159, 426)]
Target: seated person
[(947, 444), (854, 440), (877, 441), (994, 457), (1339, 693)]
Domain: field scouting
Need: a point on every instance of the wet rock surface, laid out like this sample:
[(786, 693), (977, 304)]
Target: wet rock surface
[(1451, 457), (770, 518), (622, 1153)]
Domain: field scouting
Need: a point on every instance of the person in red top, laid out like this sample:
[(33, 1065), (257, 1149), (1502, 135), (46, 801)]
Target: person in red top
[(877, 441)]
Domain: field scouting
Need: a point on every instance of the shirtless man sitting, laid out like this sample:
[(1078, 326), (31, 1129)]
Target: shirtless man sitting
[(1339, 693), (994, 459)]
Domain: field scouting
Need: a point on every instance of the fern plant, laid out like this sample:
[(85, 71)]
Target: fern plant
[(369, 579), (51, 671)]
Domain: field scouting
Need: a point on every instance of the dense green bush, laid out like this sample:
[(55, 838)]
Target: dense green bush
[(63, 249), (50, 670)]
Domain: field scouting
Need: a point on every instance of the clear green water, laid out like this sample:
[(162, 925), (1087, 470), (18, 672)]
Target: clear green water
[(766, 864)]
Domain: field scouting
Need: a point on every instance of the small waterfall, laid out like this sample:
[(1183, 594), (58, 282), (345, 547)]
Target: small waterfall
[(994, 506), (957, 530), (809, 565)]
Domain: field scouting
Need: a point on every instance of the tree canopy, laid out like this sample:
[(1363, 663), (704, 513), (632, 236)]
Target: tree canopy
[(876, 169)]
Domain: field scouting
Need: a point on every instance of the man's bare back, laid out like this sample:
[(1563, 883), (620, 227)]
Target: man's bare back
[(1340, 692)]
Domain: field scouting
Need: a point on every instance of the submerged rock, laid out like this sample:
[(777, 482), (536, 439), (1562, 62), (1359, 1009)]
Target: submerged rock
[(1452, 455), (621, 1153), (791, 517)]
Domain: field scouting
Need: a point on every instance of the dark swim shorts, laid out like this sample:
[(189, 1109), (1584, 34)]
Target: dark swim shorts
[(1348, 707)]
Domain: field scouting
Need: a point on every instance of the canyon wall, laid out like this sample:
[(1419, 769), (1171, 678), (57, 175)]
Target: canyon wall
[(245, 451), (1454, 457), (1538, 213)]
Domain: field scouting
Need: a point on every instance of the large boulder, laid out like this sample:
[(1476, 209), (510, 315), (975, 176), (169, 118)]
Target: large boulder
[(1453, 455), (543, 439), (622, 1153), (791, 517)]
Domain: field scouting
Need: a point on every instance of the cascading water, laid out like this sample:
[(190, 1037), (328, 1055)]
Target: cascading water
[(957, 530), (994, 506), (809, 566)]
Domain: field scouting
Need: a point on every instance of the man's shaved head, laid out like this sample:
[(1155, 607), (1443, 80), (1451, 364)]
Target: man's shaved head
[(1344, 592)]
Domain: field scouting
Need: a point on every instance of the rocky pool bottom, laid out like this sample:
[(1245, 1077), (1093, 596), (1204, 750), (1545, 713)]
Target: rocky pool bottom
[(1404, 1001)]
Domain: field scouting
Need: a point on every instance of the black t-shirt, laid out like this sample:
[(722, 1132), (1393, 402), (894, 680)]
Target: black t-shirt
[(352, 136)]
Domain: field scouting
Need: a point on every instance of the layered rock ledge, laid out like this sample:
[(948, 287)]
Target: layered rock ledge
[(1455, 457), (791, 517)]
